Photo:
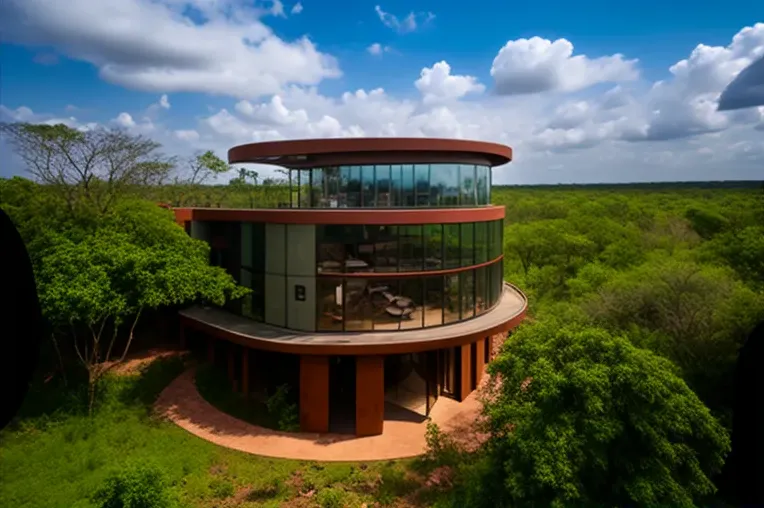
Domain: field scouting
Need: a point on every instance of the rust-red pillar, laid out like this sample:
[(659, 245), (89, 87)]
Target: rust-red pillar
[(480, 361), (370, 395), (314, 393), (465, 371)]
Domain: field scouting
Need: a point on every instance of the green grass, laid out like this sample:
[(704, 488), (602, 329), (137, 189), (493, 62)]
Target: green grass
[(59, 457)]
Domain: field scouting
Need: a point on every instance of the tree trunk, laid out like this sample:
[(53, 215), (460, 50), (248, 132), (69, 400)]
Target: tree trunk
[(60, 358), (92, 380)]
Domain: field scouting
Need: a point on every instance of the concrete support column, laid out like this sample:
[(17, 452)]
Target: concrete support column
[(480, 361), (369, 395), (245, 371), (314, 393), (465, 371)]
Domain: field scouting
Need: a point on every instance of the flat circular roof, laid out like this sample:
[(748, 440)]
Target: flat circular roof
[(313, 153)]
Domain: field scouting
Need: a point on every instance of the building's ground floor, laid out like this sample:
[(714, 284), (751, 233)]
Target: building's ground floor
[(349, 393)]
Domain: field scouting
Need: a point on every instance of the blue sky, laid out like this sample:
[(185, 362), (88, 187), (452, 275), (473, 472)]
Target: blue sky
[(47, 69)]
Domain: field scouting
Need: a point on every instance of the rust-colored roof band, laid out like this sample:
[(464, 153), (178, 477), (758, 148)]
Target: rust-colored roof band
[(314, 153), (408, 275), (351, 216)]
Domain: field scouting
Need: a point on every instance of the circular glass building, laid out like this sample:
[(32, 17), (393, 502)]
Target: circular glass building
[(376, 288)]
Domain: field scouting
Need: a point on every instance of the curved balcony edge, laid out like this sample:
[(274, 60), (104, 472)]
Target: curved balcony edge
[(506, 315)]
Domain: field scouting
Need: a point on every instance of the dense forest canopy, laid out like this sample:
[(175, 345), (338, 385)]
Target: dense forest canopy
[(617, 389)]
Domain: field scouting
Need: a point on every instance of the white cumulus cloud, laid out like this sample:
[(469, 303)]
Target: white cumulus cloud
[(155, 46), (438, 84), (535, 65)]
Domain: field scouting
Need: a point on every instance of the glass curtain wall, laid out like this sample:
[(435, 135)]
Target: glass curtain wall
[(391, 186), (411, 248), (360, 303), (385, 304)]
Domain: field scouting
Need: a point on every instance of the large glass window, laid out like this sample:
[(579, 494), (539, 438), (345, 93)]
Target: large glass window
[(467, 243), (433, 301), (329, 303), (390, 303), (422, 184), (481, 242), (451, 300), (481, 183), (410, 248), (467, 185), (481, 290), (367, 187), (384, 189), (467, 283), (384, 185), (452, 250), (433, 245)]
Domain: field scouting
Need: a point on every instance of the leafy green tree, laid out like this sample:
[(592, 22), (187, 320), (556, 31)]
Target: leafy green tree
[(90, 168), (706, 223), (581, 417), (696, 315), (241, 183), (743, 250), (137, 259)]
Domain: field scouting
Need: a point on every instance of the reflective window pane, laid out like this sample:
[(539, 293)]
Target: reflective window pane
[(329, 301), (342, 196), (317, 186), (305, 188), (481, 242), (481, 182), (451, 301), (332, 187), (367, 187), (410, 303), (354, 187), (467, 283), (294, 188), (467, 244), (382, 186), (407, 176), (433, 301), (396, 186), (386, 249), (411, 249), (451, 239), (382, 294), (481, 290), (384, 196), (359, 310), (467, 185), (422, 184), (433, 239), (330, 248)]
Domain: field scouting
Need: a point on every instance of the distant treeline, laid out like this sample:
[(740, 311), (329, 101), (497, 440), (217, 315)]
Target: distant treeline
[(654, 186)]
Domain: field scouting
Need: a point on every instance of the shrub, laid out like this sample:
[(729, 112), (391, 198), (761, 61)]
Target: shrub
[(136, 486), (283, 410), (583, 416), (442, 450), (330, 498), (222, 488)]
